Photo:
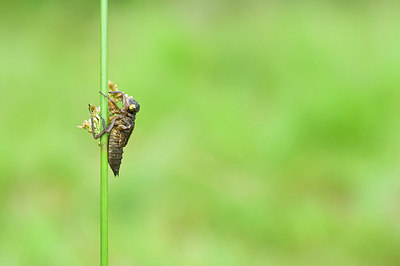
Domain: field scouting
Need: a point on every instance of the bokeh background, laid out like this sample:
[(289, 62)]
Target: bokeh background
[(268, 133)]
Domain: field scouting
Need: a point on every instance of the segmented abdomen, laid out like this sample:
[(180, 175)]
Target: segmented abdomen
[(114, 151)]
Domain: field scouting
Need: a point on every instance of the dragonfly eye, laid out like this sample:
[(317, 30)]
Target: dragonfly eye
[(134, 107)]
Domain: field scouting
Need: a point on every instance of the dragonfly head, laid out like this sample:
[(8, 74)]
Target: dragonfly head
[(133, 106)]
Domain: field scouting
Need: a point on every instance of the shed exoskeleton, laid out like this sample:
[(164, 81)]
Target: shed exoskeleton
[(120, 128)]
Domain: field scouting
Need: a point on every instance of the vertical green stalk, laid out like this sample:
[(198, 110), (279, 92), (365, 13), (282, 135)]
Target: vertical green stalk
[(104, 138)]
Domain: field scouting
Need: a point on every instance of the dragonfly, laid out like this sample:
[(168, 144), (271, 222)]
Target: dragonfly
[(120, 128)]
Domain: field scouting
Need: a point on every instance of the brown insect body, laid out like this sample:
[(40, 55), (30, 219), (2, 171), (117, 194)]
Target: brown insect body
[(120, 128), (118, 138)]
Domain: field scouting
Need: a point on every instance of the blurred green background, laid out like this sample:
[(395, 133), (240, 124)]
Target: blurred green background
[(268, 133)]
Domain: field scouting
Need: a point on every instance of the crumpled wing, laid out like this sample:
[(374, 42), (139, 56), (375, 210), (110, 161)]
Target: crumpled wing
[(125, 135)]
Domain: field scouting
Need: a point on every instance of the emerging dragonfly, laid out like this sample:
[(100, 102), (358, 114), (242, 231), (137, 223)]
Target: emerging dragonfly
[(120, 128)]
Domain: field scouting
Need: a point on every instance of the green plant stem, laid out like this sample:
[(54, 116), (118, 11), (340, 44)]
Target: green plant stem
[(104, 138)]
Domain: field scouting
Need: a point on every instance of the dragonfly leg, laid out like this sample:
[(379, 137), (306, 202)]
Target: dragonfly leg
[(123, 96), (111, 100), (111, 125)]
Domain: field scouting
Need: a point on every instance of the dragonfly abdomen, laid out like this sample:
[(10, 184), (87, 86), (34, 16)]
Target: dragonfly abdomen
[(114, 151)]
